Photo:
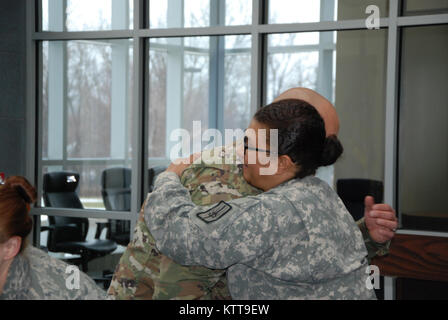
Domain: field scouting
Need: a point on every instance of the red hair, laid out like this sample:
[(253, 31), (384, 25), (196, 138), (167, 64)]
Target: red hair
[(16, 195)]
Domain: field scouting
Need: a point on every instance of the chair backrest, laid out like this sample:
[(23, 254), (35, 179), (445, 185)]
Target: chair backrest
[(59, 191), (116, 189), (353, 192), (116, 192)]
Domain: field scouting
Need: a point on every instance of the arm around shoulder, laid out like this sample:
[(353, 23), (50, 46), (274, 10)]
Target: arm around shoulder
[(213, 236)]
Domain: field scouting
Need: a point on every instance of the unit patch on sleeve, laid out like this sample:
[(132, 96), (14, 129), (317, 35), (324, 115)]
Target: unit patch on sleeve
[(215, 213)]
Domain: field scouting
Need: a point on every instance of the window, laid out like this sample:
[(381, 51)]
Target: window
[(416, 7), (423, 135), (199, 13), (334, 64), (115, 77), (202, 79), (87, 15), (305, 11), (86, 110)]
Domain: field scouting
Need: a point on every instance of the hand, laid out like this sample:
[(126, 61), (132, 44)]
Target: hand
[(380, 220), (179, 165)]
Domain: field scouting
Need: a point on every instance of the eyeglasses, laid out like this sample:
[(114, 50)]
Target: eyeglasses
[(246, 147)]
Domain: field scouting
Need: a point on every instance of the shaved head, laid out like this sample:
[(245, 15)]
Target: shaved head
[(326, 110)]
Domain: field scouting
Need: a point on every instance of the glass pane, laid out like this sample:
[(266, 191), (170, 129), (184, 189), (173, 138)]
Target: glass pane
[(423, 133), (302, 11), (416, 7), (204, 79), (199, 13), (237, 82), (58, 232), (349, 69), (87, 15), (293, 60), (86, 116)]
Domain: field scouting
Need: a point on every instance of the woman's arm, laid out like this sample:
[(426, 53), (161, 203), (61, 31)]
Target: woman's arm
[(216, 236)]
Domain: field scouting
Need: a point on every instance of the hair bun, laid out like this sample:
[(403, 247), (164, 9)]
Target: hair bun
[(332, 151), (23, 188)]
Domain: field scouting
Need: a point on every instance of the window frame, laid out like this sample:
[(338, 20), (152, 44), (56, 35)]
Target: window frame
[(258, 30)]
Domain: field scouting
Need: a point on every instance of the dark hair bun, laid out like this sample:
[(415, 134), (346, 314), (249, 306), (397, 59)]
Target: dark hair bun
[(332, 150), (26, 191)]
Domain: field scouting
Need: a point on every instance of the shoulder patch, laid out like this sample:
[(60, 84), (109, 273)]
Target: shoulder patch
[(215, 213)]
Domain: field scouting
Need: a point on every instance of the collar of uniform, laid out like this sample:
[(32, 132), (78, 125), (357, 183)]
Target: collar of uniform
[(18, 280)]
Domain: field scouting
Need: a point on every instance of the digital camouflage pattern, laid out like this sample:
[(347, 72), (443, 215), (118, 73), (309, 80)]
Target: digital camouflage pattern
[(295, 241), (34, 275), (144, 273)]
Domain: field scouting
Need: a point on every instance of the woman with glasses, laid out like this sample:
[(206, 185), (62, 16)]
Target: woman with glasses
[(27, 273), (296, 240)]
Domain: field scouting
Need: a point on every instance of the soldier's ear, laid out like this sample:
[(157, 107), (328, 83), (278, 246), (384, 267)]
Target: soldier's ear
[(285, 164), (12, 247)]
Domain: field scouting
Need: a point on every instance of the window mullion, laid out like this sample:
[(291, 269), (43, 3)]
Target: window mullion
[(257, 56), (138, 118), (390, 152)]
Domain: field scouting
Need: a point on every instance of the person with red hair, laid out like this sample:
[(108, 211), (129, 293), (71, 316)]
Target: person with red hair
[(28, 273)]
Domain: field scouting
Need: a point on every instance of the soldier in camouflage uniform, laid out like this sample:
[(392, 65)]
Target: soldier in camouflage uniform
[(308, 270), (34, 275), (145, 273), (28, 273), (296, 240)]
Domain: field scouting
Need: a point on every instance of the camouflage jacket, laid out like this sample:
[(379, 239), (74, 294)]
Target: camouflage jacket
[(34, 275), (145, 273), (295, 241)]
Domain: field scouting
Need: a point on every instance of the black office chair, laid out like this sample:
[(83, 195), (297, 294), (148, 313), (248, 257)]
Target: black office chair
[(116, 192), (68, 234), (152, 175), (353, 191)]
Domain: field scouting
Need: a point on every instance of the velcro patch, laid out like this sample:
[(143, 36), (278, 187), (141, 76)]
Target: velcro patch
[(215, 213)]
